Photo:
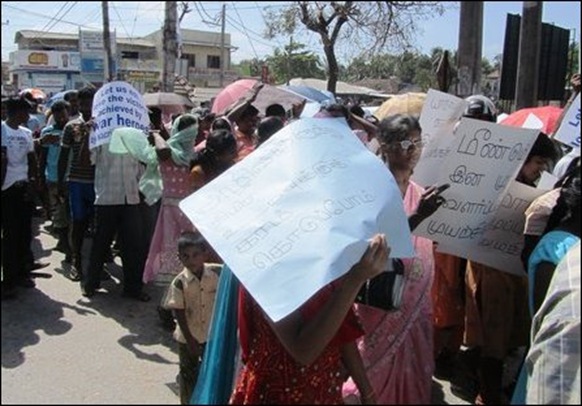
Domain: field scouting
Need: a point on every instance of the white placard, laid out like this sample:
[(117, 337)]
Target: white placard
[(547, 181), (484, 159), (569, 131), (115, 105), (440, 113), (296, 213), (502, 241)]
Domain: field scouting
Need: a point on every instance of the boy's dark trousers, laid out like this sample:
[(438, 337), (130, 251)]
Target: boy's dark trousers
[(189, 369)]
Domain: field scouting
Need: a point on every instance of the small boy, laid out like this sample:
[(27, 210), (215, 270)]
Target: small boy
[(191, 296)]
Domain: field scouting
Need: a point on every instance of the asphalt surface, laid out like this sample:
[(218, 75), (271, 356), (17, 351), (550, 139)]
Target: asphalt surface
[(61, 348)]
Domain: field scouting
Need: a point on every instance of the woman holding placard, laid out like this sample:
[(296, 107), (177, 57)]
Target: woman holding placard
[(397, 346)]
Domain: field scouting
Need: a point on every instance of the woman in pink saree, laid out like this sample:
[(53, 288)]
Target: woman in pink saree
[(397, 348)]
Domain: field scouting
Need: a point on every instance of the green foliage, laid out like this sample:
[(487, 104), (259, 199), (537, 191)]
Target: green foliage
[(293, 61), (573, 53), (373, 26)]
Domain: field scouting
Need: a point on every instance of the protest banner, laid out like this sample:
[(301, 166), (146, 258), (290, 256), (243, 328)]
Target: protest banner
[(439, 116), (117, 104), (297, 213), (569, 131), (502, 241), (484, 159), (547, 181)]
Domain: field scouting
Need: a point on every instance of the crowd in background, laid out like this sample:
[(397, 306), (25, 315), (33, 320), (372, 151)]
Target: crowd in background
[(330, 350)]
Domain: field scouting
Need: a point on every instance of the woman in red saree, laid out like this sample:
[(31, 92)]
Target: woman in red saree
[(304, 358)]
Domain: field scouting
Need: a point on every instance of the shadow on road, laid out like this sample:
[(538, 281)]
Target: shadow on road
[(140, 319), (23, 316)]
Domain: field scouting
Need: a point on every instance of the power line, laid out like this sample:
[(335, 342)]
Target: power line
[(43, 16), (247, 30), (120, 20), (65, 4)]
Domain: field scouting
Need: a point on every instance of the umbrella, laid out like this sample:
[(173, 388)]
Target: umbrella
[(408, 103), (166, 99), (267, 95), (36, 93), (544, 118), (307, 92), (55, 97)]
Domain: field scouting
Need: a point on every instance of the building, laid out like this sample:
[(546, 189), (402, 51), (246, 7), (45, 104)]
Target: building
[(57, 61)]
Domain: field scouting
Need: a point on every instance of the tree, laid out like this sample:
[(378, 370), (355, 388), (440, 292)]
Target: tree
[(573, 53), (293, 61), (373, 26)]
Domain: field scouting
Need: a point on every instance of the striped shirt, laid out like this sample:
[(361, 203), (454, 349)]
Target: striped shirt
[(116, 177), (75, 140), (553, 361)]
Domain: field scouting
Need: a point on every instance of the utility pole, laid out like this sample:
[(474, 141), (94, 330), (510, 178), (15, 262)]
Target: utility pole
[(107, 42), (530, 34), (470, 48), (223, 16), (170, 46), (289, 60)]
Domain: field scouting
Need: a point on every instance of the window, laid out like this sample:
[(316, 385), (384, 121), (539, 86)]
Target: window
[(129, 55), (191, 60), (213, 62)]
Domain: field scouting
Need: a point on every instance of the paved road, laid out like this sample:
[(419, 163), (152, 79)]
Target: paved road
[(61, 348)]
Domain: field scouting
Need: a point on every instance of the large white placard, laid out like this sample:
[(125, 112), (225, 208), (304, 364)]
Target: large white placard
[(502, 241), (115, 105), (483, 161), (440, 113), (296, 213), (569, 131)]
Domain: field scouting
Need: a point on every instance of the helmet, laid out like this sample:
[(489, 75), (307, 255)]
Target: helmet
[(480, 108)]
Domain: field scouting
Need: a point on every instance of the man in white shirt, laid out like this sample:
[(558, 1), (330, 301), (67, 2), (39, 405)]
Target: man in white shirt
[(18, 164)]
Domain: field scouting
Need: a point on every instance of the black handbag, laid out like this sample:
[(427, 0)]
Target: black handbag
[(384, 291)]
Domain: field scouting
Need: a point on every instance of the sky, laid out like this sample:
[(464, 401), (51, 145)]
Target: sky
[(245, 23)]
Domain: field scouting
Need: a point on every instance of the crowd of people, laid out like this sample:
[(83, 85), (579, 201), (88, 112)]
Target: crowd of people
[(332, 349)]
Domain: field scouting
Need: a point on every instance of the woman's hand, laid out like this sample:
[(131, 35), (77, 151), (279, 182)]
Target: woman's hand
[(374, 260)]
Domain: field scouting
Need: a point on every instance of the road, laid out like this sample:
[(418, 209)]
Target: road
[(61, 348)]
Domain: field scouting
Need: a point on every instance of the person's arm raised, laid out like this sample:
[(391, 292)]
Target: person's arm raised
[(306, 340)]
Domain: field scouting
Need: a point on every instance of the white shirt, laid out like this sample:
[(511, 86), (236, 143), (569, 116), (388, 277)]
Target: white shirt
[(18, 145)]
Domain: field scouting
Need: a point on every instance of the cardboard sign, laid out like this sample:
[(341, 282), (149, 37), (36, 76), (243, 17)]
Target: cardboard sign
[(484, 160), (502, 241), (117, 104), (296, 213), (569, 131), (440, 114)]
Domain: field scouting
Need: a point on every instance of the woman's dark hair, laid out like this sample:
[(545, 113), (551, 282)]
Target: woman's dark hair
[(396, 128), (221, 123), (568, 204), (185, 121), (275, 110), (250, 111), (267, 127), (218, 142)]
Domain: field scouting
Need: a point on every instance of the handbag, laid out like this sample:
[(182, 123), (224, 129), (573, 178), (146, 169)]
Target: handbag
[(384, 291)]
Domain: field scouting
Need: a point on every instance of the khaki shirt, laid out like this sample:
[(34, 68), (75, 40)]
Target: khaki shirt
[(196, 297)]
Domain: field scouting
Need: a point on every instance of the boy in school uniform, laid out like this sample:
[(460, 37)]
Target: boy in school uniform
[(191, 296)]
